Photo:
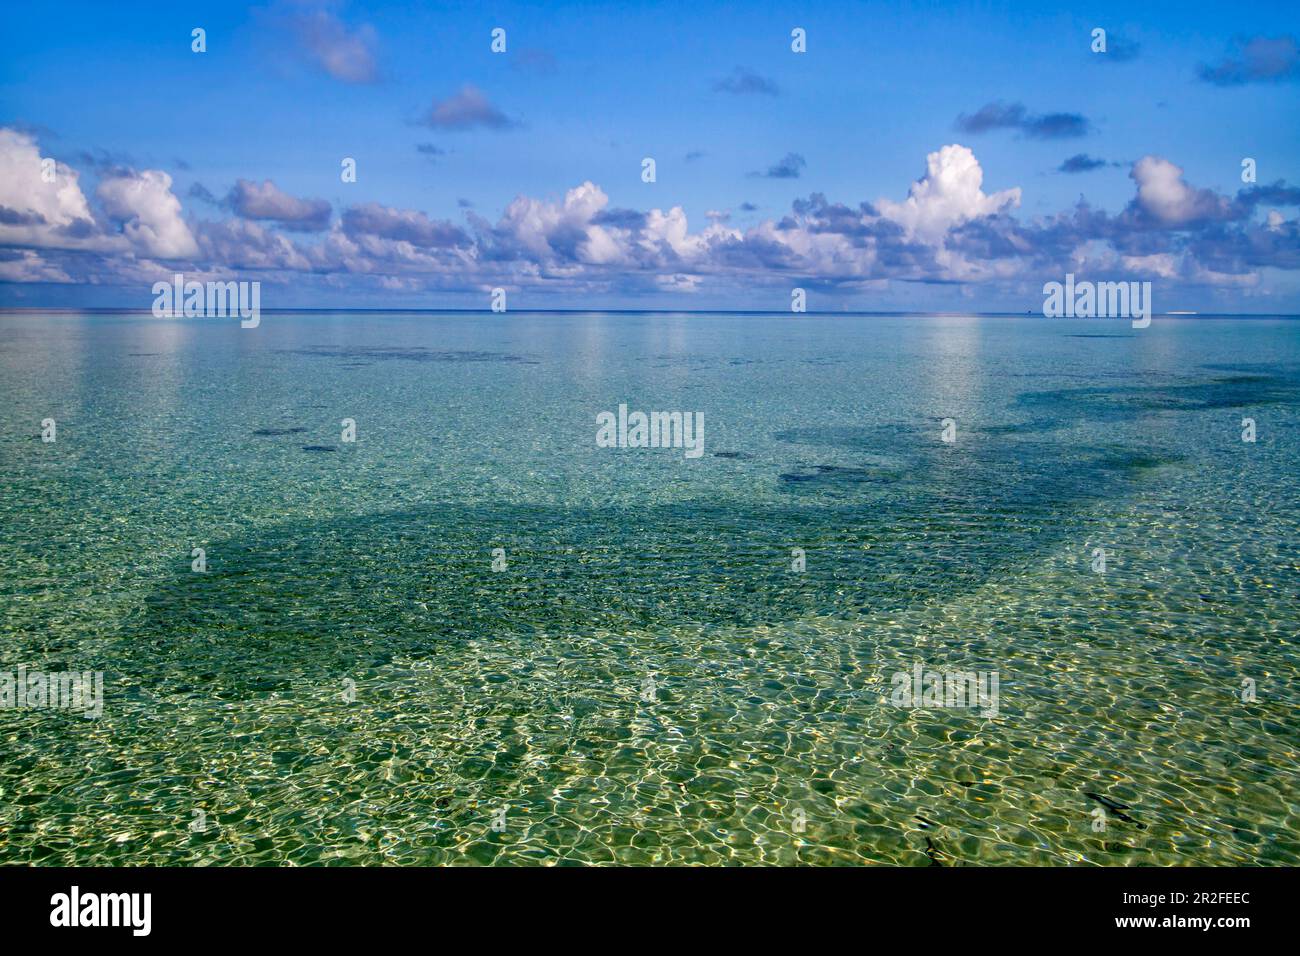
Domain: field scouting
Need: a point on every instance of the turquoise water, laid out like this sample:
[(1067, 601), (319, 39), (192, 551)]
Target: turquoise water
[(648, 680)]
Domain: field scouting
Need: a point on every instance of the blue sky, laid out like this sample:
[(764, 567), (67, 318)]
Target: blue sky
[(767, 155)]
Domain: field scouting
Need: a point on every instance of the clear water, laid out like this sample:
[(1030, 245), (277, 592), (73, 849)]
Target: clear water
[(648, 681)]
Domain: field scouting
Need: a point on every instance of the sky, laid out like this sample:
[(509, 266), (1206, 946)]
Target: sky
[(915, 156)]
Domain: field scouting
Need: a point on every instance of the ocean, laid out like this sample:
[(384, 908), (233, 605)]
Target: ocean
[(365, 588)]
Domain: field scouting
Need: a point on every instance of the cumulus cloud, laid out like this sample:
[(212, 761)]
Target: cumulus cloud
[(267, 201), (467, 109), (1256, 60), (1165, 197), (949, 194), (746, 82), (149, 213), (551, 232), (999, 115), (35, 212)]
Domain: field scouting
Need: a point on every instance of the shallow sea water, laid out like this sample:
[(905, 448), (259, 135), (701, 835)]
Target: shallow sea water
[(648, 681)]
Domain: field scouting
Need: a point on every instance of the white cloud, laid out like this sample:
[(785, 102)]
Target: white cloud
[(562, 230), (1165, 196), (149, 212), (949, 194), (32, 211)]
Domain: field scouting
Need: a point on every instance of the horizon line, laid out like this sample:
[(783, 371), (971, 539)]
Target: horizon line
[(112, 310)]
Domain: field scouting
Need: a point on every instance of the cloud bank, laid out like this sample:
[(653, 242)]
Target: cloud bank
[(948, 228)]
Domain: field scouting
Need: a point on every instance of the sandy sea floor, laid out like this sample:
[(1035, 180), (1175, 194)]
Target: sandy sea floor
[(648, 680)]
